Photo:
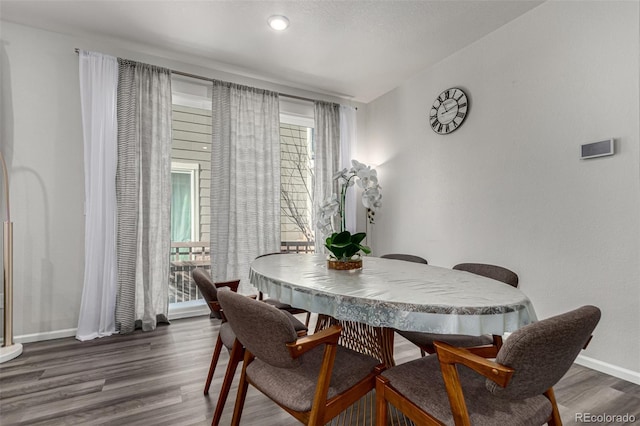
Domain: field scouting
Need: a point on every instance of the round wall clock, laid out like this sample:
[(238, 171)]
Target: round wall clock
[(448, 111)]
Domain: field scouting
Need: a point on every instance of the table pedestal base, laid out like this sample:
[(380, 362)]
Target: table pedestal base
[(373, 341)]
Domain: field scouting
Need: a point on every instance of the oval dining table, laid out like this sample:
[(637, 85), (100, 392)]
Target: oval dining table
[(389, 294)]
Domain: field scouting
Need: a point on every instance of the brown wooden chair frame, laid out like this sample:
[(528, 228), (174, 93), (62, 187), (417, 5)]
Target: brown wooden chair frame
[(449, 356), (215, 306), (431, 349), (323, 409)]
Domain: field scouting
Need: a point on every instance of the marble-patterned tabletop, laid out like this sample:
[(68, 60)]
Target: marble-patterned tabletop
[(396, 294)]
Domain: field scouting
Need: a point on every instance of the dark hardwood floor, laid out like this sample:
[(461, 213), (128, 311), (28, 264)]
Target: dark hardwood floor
[(157, 379)]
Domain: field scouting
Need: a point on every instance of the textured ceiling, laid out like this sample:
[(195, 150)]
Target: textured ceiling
[(352, 49)]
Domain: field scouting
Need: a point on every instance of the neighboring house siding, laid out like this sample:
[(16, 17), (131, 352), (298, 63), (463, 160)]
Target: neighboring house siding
[(192, 144)]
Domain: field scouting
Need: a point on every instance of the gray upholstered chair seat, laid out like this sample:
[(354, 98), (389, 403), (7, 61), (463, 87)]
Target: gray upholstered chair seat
[(290, 310), (295, 387), (227, 335), (276, 303), (421, 382), (297, 324), (460, 340)]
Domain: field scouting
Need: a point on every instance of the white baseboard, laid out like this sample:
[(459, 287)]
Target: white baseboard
[(610, 369), (188, 309), (182, 312), (47, 335)]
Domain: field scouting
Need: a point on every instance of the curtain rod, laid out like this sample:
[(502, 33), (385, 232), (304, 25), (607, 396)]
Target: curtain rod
[(199, 77), (186, 74)]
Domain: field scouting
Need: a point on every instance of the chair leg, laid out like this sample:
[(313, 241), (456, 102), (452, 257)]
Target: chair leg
[(237, 353), (555, 419), (381, 403), (214, 362), (242, 390)]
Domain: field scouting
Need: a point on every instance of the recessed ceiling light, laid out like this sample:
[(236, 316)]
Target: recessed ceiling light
[(278, 22)]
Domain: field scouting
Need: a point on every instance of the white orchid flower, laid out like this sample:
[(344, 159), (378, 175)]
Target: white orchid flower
[(357, 166), (367, 178), (330, 206), (329, 218), (372, 198)]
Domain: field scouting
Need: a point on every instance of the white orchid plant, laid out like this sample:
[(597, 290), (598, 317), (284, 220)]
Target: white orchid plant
[(341, 243)]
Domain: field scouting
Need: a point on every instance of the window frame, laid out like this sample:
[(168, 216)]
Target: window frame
[(193, 170)]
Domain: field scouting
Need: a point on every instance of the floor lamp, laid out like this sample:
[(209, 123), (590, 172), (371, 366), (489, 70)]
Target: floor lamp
[(9, 350)]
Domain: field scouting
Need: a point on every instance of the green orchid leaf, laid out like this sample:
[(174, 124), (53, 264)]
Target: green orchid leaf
[(357, 238), (341, 238), (365, 249)]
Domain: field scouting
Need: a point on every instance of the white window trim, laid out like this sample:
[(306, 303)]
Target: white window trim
[(298, 120), (193, 170)]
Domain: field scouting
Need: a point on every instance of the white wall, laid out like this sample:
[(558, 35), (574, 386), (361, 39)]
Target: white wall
[(42, 141), (508, 187)]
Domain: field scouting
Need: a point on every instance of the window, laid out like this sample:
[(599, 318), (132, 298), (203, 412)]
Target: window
[(191, 183), (296, 187), (190, 180), (296, 175)]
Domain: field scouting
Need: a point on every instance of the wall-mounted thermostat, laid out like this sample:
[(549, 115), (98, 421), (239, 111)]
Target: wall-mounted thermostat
[(596, 149)]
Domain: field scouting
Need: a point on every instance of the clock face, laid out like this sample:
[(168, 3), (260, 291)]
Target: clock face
[(448, 111)]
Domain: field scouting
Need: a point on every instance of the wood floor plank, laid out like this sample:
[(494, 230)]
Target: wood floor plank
[(157, 379)]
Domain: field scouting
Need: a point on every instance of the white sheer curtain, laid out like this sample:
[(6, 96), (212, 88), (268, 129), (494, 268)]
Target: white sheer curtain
[(348, 140), (143, 191), (98, 93), (245, 181), (327, 156)]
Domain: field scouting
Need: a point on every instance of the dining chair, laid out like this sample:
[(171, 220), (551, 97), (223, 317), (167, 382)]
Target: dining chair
[(405, 257), (312, 378), (226, 336), (516, 388), (425, 340), (283, 306), (495, 272)]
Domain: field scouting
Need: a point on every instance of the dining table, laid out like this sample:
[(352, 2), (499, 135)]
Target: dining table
[(390, 294)]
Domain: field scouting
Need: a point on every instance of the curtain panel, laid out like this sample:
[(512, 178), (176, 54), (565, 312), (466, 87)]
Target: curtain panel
[(327, 157), (245, 181), (348, 140), (143, 191), (98, 92)]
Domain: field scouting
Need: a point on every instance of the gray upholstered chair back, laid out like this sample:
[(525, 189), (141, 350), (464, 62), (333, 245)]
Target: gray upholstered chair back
[(205, 284), (542, 352), (405, 257), (261, 328), (490, 271)]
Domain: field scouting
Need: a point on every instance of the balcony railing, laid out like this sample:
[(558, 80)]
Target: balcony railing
[(186, 256)]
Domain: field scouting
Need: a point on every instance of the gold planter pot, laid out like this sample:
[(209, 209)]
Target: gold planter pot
[(343, 265)]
